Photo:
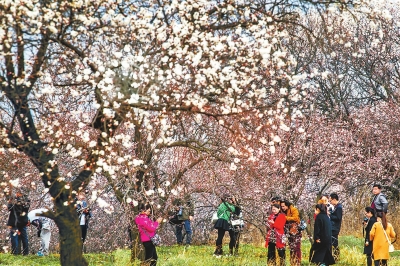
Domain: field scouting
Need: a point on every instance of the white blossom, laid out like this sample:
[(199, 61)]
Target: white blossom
[(102, 203), (15, 182), (149, 192)]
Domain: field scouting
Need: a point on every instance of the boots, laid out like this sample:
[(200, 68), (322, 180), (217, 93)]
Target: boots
[(218, 250), (281, 253), (233, 253)]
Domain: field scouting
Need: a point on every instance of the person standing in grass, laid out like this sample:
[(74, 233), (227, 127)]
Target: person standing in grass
[(294, 235), (321, 250), (381, 233), (335, 214), (237, 227), (275, 239), (17, 223), (147, 229), (43, 225), (368, 244), (224, 212), (184, 213), (84, 214)]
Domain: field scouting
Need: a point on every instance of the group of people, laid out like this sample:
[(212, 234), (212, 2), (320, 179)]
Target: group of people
[(378, 231), (284, 228), (181, 217), (20, 218)]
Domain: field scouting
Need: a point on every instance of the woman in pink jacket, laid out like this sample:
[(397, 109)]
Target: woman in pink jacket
[(147, 229)]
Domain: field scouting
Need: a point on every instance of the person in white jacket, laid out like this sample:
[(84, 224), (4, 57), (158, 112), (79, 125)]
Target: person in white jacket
[(43, 224)]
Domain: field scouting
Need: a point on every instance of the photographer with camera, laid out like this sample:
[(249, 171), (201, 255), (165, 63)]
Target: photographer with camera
[(184, 212), (84, 214), (17, 222), (369, 220), (226, 209)]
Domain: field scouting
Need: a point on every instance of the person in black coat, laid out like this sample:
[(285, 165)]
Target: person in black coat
[(336, 215), (17, 223), (368, 223), (321, 250)]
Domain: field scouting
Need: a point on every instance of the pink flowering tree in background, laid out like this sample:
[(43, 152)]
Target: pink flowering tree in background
[(144, 102), (105, 65)]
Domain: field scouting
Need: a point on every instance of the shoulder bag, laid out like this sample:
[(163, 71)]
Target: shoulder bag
[(391, 247), (156, 239), (237, 220), (214, 218)]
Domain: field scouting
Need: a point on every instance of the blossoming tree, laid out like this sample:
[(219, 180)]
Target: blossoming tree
[(105, 65)]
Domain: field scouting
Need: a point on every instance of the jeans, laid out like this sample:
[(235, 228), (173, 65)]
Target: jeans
[(188, 229), (17, 234), (335, 238)]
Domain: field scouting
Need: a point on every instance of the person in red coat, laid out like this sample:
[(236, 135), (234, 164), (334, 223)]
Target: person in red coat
[(276, 239)]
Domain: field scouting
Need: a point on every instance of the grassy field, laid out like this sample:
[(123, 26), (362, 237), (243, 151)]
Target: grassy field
[(351, 254)]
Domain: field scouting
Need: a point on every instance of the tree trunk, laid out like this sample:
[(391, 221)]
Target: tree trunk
[(137, 249), (70, 237)]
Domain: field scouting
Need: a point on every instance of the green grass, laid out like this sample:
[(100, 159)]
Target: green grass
[(249, 255)]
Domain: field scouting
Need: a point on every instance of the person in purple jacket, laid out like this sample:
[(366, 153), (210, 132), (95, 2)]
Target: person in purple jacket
[(147, 229)]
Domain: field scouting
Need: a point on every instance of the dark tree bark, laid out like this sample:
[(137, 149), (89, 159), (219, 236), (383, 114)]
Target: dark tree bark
[(70, 236)]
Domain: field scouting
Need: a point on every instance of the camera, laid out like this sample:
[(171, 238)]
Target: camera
[(365, 220), (22, 201), (330, 208), (180, 211), (19, 201)]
